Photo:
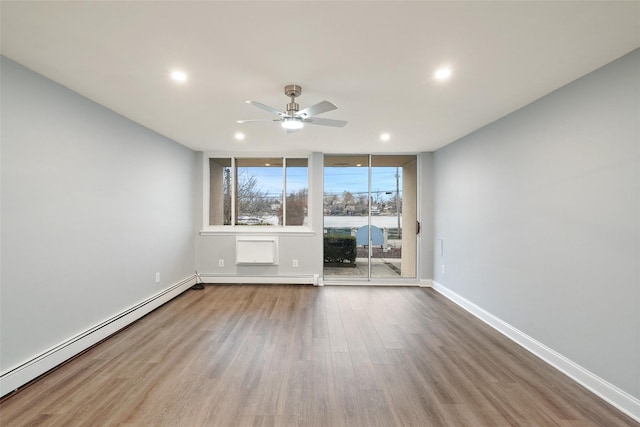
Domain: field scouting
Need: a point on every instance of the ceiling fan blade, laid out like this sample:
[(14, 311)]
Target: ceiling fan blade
[(325, 122), (258, 120), (314, 110), (266, 107)]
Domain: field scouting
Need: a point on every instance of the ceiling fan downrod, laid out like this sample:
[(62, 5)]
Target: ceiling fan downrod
[(292, 91)]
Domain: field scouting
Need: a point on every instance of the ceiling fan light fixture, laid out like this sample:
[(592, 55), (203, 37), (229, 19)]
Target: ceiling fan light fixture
[(292, 123)]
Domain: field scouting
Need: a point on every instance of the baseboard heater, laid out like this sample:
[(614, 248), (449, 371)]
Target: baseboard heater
[(31, 369), (257, 250)]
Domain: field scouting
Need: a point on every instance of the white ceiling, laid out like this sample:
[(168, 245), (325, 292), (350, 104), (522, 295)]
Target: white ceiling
[(374, 60)]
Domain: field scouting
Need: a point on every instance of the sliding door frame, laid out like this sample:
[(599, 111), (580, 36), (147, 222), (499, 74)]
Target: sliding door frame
[(380, 281)]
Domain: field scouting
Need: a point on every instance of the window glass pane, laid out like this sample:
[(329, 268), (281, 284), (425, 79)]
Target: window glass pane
[(346, 186), (220, 177), (297, 192), (251, 191), (346, 207), (259, 191), (393, 184)]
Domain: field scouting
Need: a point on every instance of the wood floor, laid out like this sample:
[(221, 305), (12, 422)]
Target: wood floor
[(304, 356)]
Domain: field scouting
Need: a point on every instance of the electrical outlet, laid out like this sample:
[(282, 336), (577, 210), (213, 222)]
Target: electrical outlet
[(295, 263), (221, 262), (443, 270), (158, 277)]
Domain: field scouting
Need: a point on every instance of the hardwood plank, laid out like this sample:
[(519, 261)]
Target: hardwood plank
[(267, 355), (337, 338)]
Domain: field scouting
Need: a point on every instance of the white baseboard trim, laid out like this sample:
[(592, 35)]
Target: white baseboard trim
[(302, 279), (16, 377), (607, 391), (425, 283), (372, 282)]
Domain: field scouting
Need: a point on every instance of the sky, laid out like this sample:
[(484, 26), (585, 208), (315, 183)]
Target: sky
[(336, 180), (270, 179), (355, 180)]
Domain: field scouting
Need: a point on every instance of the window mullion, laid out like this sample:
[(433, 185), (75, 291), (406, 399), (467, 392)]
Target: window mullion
[(284, 191), (234, 195)]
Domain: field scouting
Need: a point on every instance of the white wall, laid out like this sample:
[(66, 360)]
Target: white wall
[(540, 217), (93, 205)]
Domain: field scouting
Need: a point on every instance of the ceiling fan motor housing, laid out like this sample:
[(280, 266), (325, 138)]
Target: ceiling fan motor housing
[(292, 107), (292, 90)]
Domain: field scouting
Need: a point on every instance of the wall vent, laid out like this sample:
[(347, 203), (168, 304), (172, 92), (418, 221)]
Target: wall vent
[(260, 250)]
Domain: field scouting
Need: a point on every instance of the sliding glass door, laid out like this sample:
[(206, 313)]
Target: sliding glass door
[(346, 216), (369, 217)]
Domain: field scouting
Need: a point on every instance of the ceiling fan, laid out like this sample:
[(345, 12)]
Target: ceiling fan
[(293, 119)]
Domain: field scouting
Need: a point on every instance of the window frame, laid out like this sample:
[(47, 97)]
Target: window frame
[(238, 229)]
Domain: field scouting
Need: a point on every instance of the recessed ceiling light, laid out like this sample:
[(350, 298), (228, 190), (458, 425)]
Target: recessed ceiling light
[(179, 76), (385, 137), (267, 164), (442, 73), (358, 164), (239, 136)]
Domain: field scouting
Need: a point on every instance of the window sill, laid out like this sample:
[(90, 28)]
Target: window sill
[(235, 230)]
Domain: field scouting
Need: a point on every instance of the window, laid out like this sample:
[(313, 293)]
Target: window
[(220, 191), (297, 184), (258, 191)]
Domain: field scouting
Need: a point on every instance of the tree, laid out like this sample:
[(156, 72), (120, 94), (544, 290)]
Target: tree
[(251, 200), (332, 205), (296, 206), (361, 204)]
